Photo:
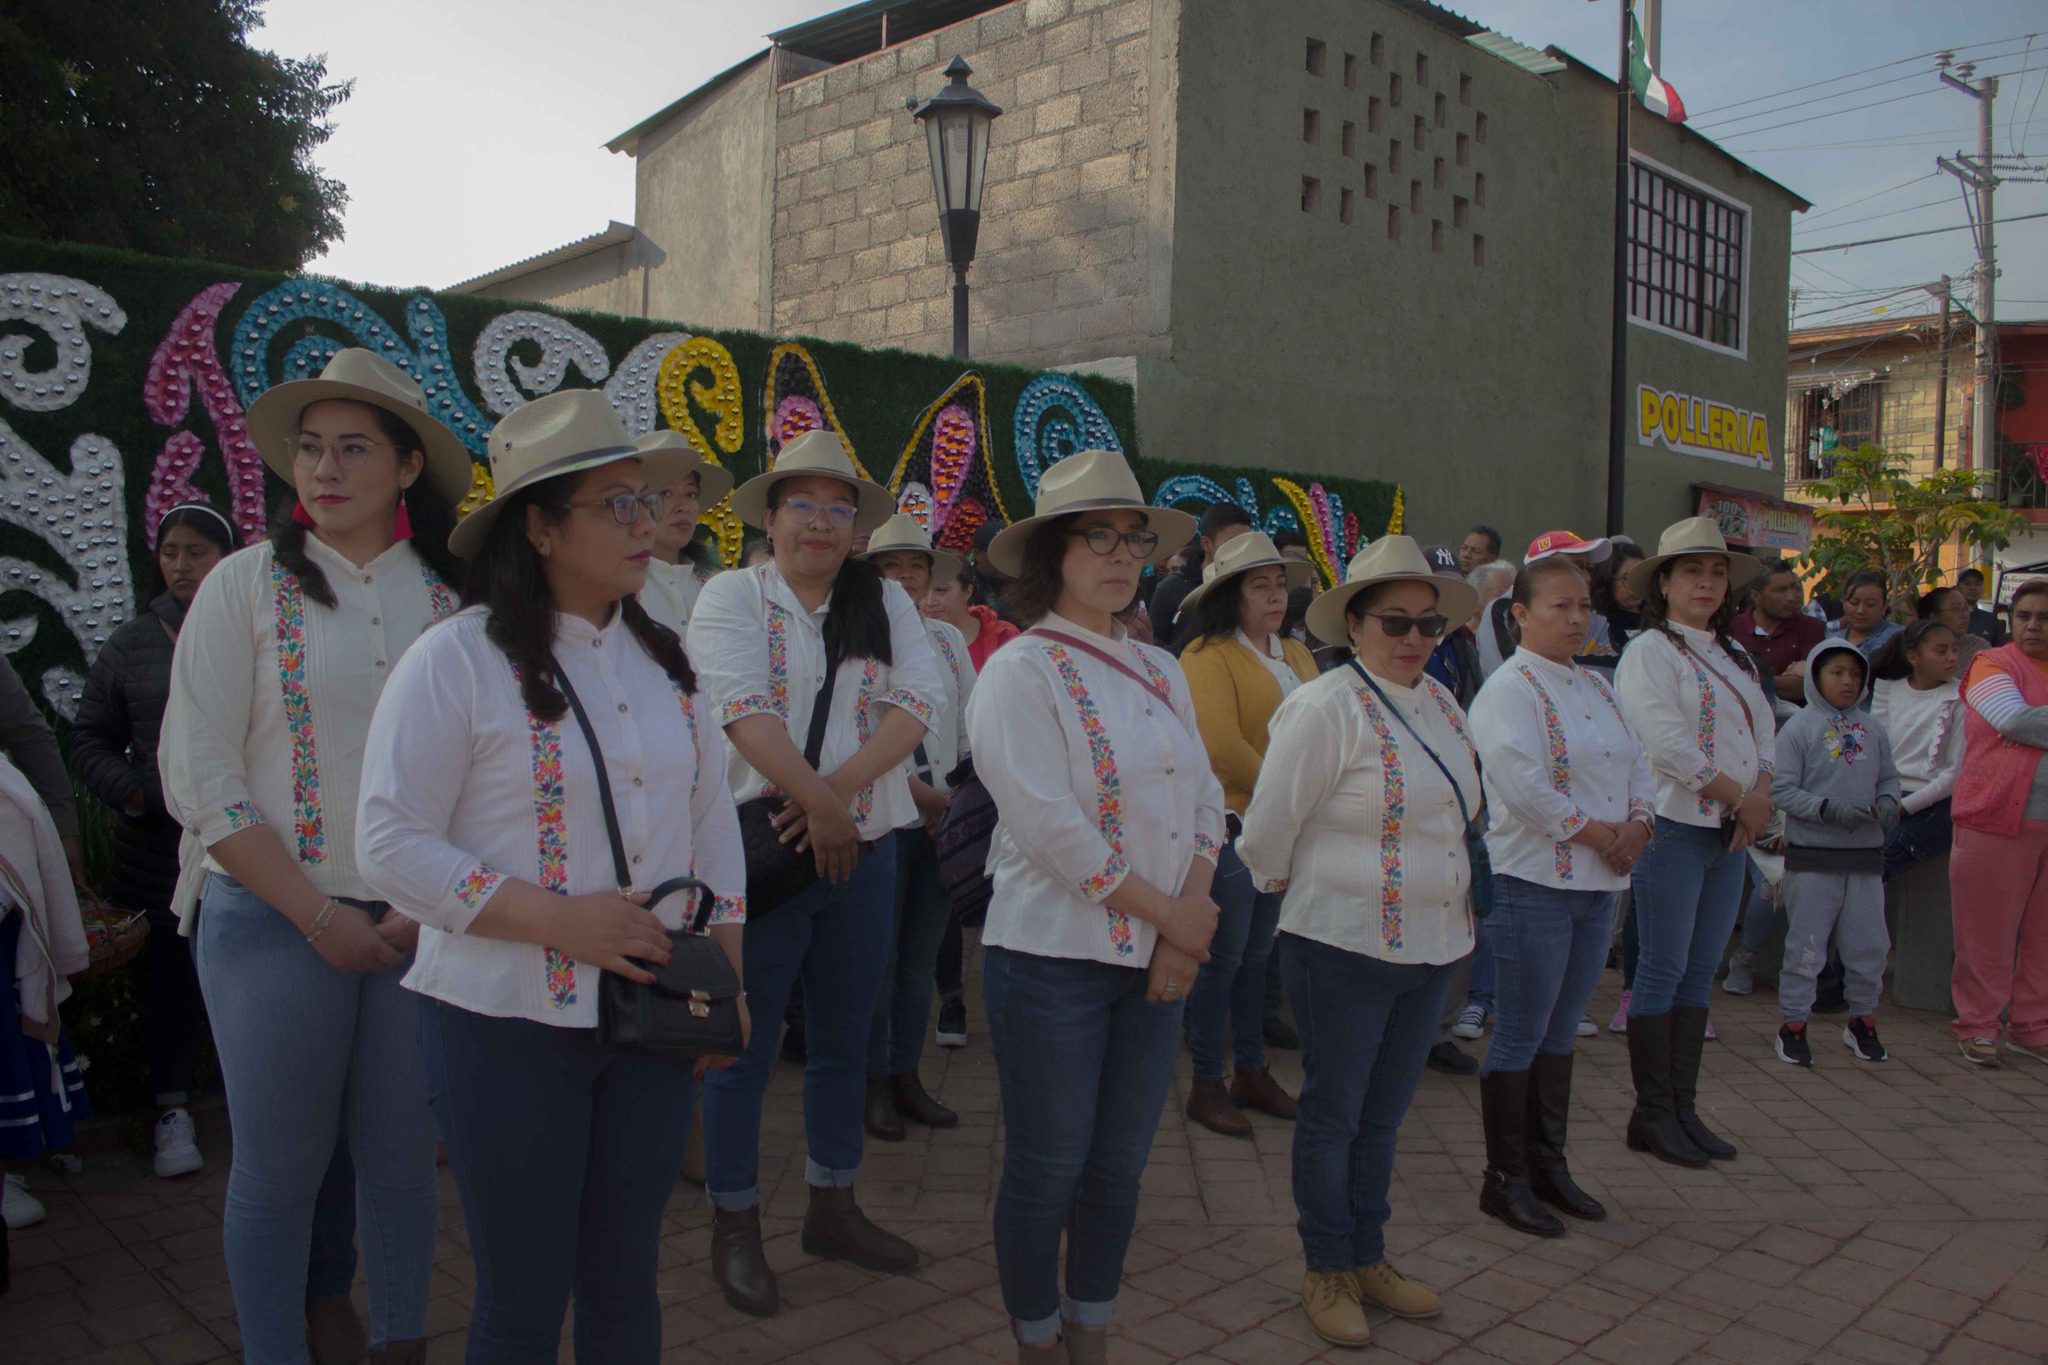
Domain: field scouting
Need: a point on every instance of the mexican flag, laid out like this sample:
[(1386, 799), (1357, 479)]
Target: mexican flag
[(1656, 96)]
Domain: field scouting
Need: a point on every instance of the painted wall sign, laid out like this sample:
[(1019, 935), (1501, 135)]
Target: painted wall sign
[(1757, 521), (1686, 425)]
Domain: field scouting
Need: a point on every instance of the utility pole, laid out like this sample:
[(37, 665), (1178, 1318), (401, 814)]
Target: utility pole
[(1941, 393), (1977, 174)]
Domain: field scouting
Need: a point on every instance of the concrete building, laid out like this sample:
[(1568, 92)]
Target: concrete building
[(1366, 237)]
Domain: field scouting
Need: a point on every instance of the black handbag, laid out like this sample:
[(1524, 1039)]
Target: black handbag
[(693, 1007), (1475, 837), (778, 871)]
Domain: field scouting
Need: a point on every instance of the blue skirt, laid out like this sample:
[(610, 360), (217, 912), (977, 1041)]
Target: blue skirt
[(42, 1093)]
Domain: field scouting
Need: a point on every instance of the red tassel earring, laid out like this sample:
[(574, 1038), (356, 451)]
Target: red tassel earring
[(401, 526), (301, 515)]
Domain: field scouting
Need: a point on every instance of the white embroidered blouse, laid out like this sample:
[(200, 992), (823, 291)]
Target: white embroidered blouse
[(946, 741), (1690, 722), (1095, 777), (1359, 827), (271, 696), (463, 787), (758, 651), (671, 593), (1557, 756)]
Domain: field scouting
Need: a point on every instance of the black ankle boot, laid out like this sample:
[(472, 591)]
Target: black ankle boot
[(1504, 1106), (881, 1119), (1654, 1128), (1550, 1104), (738, 1265), (1688, 1040)]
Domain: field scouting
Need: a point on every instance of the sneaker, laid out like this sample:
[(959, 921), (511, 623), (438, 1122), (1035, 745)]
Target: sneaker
[(1861, 1036), (1979, 1051), (953, 1023), (2038, 1051), (1587, 1028), (1741, 978), (1395, 1292), (18, 1208), (1619, 1023), (1471, 1022), (1710, 1035), (177, 1148), (1792, 1045)]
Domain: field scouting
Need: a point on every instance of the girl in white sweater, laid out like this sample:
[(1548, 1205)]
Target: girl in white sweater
[(1920, 705)]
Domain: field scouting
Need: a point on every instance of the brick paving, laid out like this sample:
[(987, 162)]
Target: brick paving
[(1877, 1214)]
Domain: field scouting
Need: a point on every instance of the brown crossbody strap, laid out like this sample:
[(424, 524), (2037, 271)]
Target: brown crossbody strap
[(1118, 664), (1740, 700)]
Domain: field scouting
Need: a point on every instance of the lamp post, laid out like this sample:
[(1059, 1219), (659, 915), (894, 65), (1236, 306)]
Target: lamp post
[(956, 125)]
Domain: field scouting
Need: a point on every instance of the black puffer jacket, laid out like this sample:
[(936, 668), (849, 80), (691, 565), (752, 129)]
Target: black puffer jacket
[(114, 744)]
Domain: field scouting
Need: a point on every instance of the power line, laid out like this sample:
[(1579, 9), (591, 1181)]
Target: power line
[(1873, 217), (1854, 108), (1903, 184), (1902, 236), (1851, 75)]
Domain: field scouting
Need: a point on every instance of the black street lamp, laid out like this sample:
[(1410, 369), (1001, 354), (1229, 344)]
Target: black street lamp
[(956, 124)]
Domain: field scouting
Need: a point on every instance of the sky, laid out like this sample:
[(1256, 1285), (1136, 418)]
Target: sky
[(475, 136)]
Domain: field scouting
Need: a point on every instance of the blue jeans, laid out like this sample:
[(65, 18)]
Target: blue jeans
[(835, 941), (1480, 985), (1922, 835), (1084, 1062), (903, 1011), (1688, 888), (311, 1054), (1366, 1030), (564, 1154), (1549, 948), (1233, 981)]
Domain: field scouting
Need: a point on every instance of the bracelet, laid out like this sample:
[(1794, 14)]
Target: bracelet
[(322, 920)]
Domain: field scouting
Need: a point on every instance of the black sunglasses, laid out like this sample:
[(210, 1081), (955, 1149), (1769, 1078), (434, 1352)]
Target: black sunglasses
[(1398, 626)]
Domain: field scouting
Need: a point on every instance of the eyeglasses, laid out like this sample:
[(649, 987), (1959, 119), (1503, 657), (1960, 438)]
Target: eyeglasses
[(1103, 540), (839, 514), (626, 507), (1399, 626), (349, 453)]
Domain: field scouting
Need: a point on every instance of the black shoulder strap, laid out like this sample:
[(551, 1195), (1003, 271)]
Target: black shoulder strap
[(1463, 809), (821, 710)]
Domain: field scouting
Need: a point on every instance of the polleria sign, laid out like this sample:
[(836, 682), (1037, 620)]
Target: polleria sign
[(1686, 425)]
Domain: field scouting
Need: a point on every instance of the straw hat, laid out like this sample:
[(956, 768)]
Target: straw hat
[(563, 433), (1240, 555), (713, 481), (359, 376), (902, 532), (1390, 559), (1090, 481), (1694, 536), (815, 454)]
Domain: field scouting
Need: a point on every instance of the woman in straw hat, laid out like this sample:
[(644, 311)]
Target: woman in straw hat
[(1702, 709), (902, 552), (812, 626), (1368, 944), (682, 564), (1110, 824), (1239, 668), (483, 818), (282, 657)]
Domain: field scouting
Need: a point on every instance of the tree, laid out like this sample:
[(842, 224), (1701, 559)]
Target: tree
[(157, 128), (1884, 519)]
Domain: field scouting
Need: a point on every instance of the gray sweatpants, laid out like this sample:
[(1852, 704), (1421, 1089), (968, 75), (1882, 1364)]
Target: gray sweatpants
[(1847, 907)]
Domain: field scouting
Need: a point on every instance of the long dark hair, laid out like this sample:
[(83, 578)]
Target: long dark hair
[(1035, 591), (432, 515), (1657, 616), (192, 516), (1219, 613), (1895, 661), (508, 580), (857, 627), (1930, 602)]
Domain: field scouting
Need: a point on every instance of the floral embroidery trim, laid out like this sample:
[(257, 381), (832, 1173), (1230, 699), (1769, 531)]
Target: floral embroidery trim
[(551, 834), (307, 827), (944, 645), (1704, 736), (1109, 813), (1207, 847), (242, 815), (728, 910), (778, 659), (477, 887), (863, 728), (441, 603), (911, 702), (1273, 886), (1560, 764), (1394, 789)]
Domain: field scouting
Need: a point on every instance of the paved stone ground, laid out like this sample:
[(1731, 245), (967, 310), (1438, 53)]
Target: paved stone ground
[(1877, 1214)]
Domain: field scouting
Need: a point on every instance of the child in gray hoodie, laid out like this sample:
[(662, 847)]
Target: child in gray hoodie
[(1839, 789)]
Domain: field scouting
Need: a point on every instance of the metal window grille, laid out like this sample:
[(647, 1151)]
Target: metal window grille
[(1685, 259)]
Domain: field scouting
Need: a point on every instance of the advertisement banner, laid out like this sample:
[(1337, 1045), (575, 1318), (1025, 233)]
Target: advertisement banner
[(1757, 521)]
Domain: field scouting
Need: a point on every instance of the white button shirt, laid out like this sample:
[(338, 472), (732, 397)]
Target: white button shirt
[(1360, 828), (271, 696), (758, 651), (1274, 657), (1690, 723), (671, 593), (1557, 756), (1095, 778), (464, 788), (946, 741)]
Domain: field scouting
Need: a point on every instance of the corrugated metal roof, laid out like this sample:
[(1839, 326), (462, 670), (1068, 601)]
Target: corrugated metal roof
[(615, 234), (1531, 60), (857, 30)]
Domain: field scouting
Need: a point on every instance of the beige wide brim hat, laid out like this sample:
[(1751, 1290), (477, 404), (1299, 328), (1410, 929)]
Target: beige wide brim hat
[(562, 433), (1240, 555), (1090, 481), (359, 376), (1390, 559), (816, 454), (901, 533), (1694, 536), (713, 481)]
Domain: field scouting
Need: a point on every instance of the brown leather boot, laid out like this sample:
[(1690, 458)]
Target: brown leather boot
[(1087, 1345), (412, 1352), (738, 1265), (1209, 1105), (915, 1103), (881, 1120), (1052, 1352), (693, 1152), (1256, 1089), (835, 1228), (334, 1334)]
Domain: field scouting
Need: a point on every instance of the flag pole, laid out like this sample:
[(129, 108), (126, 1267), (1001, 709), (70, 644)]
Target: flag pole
[(1617, 415)]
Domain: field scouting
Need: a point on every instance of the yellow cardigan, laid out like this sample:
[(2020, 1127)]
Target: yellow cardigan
[(1235, 696)]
